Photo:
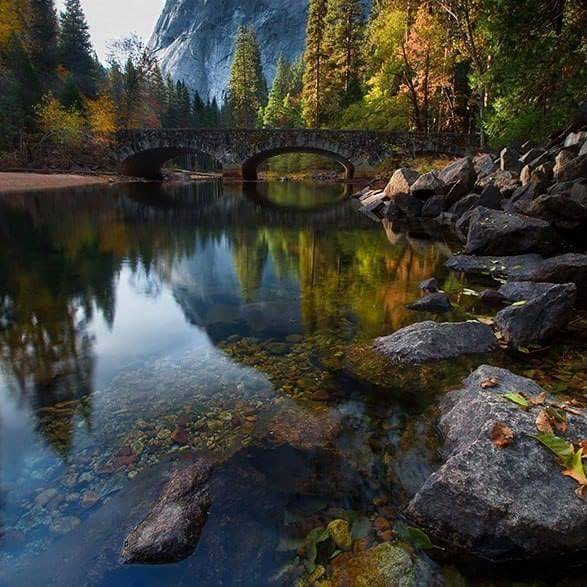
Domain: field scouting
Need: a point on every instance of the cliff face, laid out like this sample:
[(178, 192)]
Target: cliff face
[(194, 38)]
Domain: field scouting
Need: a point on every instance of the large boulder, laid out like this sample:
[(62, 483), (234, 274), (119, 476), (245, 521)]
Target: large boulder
[(484, 165), (508, 267), (492, 232), (433, 341), (462, 170), (491, 197), (539, 318), (574, 169), (408, 205), (434, 206), (427, 185), (500, 503), (509, 160), (522, 197), (401, 182), (467, 203), (172, 530), (505, 181), (559, 209)]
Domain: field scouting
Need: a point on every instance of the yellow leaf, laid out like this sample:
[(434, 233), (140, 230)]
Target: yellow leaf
[(576, 470)]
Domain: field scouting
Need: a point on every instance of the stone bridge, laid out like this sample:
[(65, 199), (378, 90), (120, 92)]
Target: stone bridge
[(142, 153)]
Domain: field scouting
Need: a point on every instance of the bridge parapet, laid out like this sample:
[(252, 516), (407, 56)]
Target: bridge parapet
[(240, 152)]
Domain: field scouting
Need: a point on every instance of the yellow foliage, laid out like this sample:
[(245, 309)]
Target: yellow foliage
[(101, 115), (63, 126), (9, 20)]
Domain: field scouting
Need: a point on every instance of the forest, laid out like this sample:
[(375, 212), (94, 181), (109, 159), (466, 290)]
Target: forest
[(506, 71)]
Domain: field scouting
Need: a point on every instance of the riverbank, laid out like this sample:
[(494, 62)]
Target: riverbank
[(11, 182)]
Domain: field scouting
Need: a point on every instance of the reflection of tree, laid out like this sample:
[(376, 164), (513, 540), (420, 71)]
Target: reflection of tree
[(249, 252)]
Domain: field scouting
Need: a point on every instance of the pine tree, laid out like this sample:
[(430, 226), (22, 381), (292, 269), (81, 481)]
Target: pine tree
[(247, 92), (71, 96), (76, 50), (314, 57), (342, 43), (42, 36), (198, 111)]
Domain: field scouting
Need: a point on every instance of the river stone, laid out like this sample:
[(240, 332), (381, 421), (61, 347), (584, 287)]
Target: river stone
[(467, 203), (401, 182), (540, 318), (484, 165), (574, 169), (430, 285), (517, 291), (492, 232), (427, 185), (460, 170), (500, 503), (434, 206), (433, 341), (510, 160), (558, 209), (172, 530), (409, 205), (384, 565), (497, 266), (491, 197), (436, 302)]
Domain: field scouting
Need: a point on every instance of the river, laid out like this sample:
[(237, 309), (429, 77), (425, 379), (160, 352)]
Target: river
[(138, 321)]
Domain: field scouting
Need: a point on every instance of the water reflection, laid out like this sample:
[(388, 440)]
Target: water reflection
[(116, 303)]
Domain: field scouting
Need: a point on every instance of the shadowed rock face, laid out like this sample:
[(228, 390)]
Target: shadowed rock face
[(195, 38)]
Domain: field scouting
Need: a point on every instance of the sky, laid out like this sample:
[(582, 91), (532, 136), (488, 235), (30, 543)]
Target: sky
[(110, 20)]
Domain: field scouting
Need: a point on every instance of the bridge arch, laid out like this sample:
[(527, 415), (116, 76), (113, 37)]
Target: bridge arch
[(148, 163), (251, 165)]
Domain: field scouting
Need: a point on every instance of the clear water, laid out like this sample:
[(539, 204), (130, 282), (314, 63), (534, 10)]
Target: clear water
[(141, 322)]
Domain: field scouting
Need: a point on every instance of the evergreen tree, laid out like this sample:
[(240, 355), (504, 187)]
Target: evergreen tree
[(198, 111), (184, 105), (342, 43), (314, 58), (247, 91), (76, 50), (281, 110), (42, 36)]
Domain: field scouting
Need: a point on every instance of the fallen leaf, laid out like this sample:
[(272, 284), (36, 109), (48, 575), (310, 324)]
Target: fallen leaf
[(558, 419), (559, 446), (518, 399), (582, 492), (519, 304), (583, 444), (538, 400), (543, 423), (489, 383), (501, 435), (576, 470)]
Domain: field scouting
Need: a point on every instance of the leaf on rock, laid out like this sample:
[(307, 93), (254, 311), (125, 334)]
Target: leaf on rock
[(576, 470), (489, 383), (543, 423), (558, 419), (582, 492), (501, 435), (519, 304), (559, 446), (538, 400), (518, 399)]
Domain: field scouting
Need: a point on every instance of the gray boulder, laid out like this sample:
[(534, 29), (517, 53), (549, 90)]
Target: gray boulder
[(461, 170), (500, 503), (492, 232), (427, 185), (509, 160), (467, 203), (491, 198), (434, 206), (171, 531), (408, 205), (559, 209), (431, 285), (505, 181), (531, 155), (401, 182), (539, 318), (522, 196), (574, 169), (456, 191), (436, 303), (517, 291), (433, 341), (509, 267), (484, 165)]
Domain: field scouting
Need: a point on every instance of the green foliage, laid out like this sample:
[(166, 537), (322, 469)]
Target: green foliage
[(75, 46), (282, 111), (247, 90), (517, 398)]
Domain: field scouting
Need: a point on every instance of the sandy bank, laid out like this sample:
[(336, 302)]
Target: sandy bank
[(21, 182)]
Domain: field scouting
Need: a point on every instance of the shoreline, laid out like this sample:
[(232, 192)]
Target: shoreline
[(16, 182)]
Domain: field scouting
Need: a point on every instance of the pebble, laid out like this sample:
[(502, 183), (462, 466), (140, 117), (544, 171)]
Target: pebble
[(45, 497), (89, 499), (64, 525)]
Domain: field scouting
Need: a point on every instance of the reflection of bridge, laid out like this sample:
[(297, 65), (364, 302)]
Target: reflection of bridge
[(142, 153)]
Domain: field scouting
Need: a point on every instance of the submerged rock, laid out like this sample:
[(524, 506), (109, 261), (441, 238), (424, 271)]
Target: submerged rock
[(540, 317), (436, 303), (433, 341), (171, 531), (500, 503), (380, 566)]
